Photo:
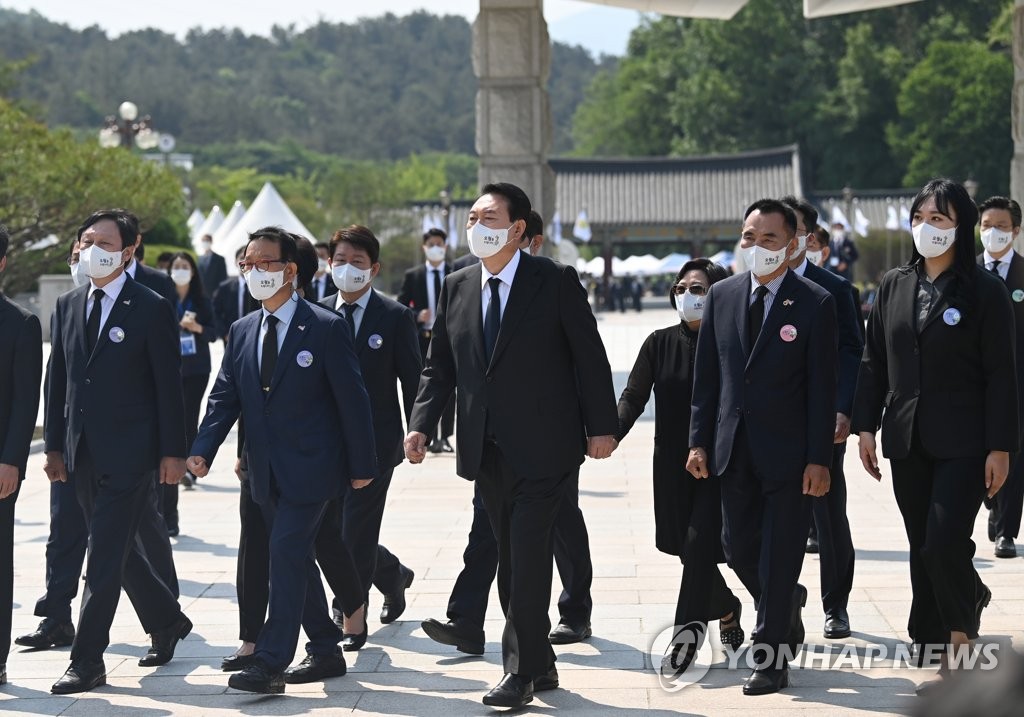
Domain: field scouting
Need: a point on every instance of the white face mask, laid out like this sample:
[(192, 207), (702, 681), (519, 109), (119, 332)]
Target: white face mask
[(181, 277), (801, 244), (932, 241), (264, 285), (76, 274), (98, 263), (322, 266), (205, 246), (814, 257), (435, 254), (690, 307), (351, 279), (485, 242), (763, 261), (995, 240)]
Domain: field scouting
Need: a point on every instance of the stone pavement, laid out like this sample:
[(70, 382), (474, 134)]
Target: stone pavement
[(402, 672)]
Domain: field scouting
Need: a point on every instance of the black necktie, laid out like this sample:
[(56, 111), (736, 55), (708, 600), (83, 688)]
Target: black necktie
[(350, 317), (995, 268), (492, 322), (92, 327), (437, 285), (756, 316), (269, 353)]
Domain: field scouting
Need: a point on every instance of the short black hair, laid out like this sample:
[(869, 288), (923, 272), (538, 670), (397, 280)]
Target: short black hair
[(515, 199), (534, 225), (806, 209), (127, 224), (307, 262), (240, 254), (5, 240), (322, 245), (435, 232), (140, 253), (773, 206), (821, 233), (71, 247), (714, 272), (360, 238), (164, 256), (1003, 203), (277, 235)]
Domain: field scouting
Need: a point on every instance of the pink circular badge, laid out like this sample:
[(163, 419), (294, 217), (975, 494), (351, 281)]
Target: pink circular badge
[(788, 333)]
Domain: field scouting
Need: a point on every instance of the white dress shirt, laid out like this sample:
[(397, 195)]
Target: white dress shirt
[(130, 269), (773, 289), (431, 299), (800, 269), (360, 303), (285, 313), (1004, 263), (506, 275), (110, 293)]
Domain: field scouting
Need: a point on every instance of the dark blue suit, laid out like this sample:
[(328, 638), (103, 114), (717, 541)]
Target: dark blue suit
[(306, 439), (763, 413)]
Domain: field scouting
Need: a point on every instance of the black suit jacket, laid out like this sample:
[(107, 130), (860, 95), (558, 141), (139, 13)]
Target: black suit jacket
[(213, 270), (468, 260), (198, 364), (1015, 287), (21, 368), (156, 280), (321, 292), (959, 382), (414, 288), (783, 391), (541, 416), (225, 305), (850, 331), (389, 352), (125, 399)]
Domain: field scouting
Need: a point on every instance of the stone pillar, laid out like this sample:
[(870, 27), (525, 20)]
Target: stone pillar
[(512, 58), (1017, 106)]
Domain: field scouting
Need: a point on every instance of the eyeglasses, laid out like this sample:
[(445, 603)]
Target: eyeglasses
[(262, 266), (695, 289)]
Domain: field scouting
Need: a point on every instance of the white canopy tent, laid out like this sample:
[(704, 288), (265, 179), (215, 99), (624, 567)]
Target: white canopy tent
[(234, 216), (213, 221), (267, 209), (645, 265), (672, 263), (195, 220)]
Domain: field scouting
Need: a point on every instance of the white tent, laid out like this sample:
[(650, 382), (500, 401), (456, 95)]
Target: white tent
[(267, 209), (595, 267), (195, 220), (641, 265), (213, 221), (672, 263), (234, 216)]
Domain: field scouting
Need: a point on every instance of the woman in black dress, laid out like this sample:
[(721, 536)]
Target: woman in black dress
[(687, 511), (939, 361)]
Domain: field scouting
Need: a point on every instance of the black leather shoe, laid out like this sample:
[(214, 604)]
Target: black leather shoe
[(796, 624), (449, 633), (435, 446), (812, 545), (3, 674), (257, 678), (733, 636), (316, 668), (1005, 548), (50, 633), (165, 641), (446, 447), (984, 598), (350, 642), (513, 691), (394, 603), (767, 681), (837, 624), (80, 677), (548, 681), (236, 662), (566, 634)]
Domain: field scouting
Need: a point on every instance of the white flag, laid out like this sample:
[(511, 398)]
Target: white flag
[(556, 228), (453, 231), (892, 219), (581, 229), (905, 218), (838, 217), (862, 224), (428, 223)]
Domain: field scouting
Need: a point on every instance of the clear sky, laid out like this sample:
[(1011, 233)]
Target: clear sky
[(596, 27)]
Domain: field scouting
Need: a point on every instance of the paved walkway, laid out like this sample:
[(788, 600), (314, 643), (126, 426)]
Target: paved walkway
[(402, 672)]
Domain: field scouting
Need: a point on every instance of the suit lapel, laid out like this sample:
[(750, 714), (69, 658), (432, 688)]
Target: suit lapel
[(742, 297), (296, 332), (780, 313), (1015, 274), (78, 304), (464, 303), (937, 308), (123, 305), (524, 287), (371, 315)]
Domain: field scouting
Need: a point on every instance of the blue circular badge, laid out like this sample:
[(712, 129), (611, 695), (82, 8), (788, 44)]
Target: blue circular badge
[(375, 341), (951, 317), (1018, 295)]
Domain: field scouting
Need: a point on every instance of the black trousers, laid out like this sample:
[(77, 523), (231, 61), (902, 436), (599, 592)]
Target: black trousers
[(1006, 505), (116, 506), (468, 602), (939, 501), (765, 532), (446, 426), (334, 555), (7, 571), (522, 512), (252, 576), (65, 552), (835, 544), (193, 388)]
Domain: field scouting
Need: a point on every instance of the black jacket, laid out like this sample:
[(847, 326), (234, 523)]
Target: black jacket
[(213, 270), (1015, 287), (21, 367), (198, 364), (414, 288), (156, 280), (225, 305)]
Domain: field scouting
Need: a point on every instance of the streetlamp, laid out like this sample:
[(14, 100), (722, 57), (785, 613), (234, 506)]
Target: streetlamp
[(126, 131)]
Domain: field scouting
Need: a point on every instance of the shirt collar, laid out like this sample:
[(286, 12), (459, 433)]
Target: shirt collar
[(772, 286), (131, 268), (506, 275), (802, 268), (442, 267), (285, 312), (113, 289), (988, 258), (361, 302)]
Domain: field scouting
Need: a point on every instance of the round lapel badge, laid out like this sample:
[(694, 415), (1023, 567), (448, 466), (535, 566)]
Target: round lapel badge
[(788, 333), (951, 317), (304, 359), (1018, 295), (116, 334), (375, 341)]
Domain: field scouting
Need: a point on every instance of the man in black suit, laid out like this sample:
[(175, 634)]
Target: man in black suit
[(232, 300), (322, 285), (291, 371), (467, 605), (421, 292), (114, 416), (21, 367), (843, 252), (832, 527), (1000, 227), (522, 440), (212, 268), (763, 422), (386, 343), (155, 279)]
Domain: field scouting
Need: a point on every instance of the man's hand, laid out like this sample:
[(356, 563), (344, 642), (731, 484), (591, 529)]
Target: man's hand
[(816, 480), (424, 316), (416, 446), (842, 428), (997, 466), (601, 446), (358, 483), (197, 467), (697, 463), (172, 470), (8, 479), (53, 467), (239, 471), (868, 456)]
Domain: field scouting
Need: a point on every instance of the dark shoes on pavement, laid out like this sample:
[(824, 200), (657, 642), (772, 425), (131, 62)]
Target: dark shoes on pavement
[(766, 681), (236, 662), (1005, 548), (164, 642), (796, 624), (394, 603), (458, 636), (566, 633), (80, 677), (259, 679), (837, 624), (513, 692), (316, 668), (50, 633)]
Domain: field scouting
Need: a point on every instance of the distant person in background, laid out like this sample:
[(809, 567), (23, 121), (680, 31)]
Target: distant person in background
[(307, 265), (212, 267), (844, 252), (73, 254), (636, 290), (323, 285), (163, 261), (232, 301)]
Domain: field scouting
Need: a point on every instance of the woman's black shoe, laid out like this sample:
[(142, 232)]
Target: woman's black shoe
[(352, 642)]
